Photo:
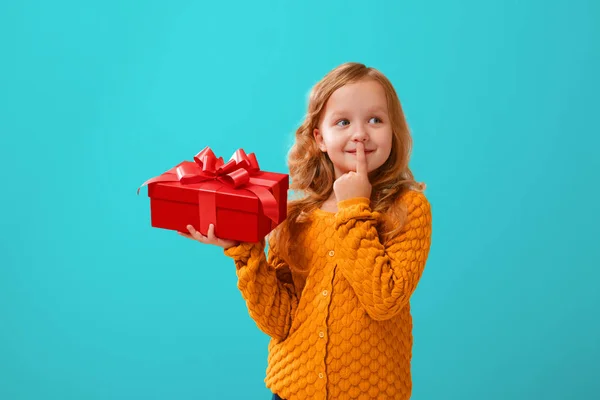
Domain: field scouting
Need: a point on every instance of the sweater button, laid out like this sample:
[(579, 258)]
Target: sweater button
[(321, 376), (331, 253), (321, 334), (324, 292)]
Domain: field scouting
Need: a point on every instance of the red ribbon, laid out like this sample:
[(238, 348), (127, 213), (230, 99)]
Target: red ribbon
[(236, 173)]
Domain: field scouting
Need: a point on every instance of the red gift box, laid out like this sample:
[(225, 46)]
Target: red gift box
[(243, 202)]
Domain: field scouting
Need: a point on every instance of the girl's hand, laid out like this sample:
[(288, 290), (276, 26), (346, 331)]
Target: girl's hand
[(354, 184), (210, 239)]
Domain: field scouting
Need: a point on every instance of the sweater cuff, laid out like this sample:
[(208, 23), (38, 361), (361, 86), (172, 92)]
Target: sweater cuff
[(353, 201), (243, 250), (354, 208)]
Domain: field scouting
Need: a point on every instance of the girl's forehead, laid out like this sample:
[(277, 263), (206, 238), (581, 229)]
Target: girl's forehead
[(360, 96)]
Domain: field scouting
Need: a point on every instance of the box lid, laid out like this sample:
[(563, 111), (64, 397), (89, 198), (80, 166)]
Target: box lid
[(227, 197)]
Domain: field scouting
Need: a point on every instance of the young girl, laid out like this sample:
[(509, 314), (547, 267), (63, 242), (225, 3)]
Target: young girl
[(333, 291)]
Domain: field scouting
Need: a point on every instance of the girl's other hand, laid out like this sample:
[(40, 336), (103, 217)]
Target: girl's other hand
[(210, 239)]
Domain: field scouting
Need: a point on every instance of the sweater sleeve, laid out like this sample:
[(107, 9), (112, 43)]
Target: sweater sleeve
[(383, 277), (266, 286)]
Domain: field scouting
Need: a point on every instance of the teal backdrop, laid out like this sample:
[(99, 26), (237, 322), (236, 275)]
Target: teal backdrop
[(98, 96)]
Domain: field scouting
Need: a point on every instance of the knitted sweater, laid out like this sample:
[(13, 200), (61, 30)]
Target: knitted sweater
[(344, 329)]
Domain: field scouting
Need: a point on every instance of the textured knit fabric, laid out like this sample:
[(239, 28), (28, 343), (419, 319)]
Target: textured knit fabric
[(343, 330)]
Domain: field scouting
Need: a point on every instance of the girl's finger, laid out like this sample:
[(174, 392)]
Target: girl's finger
[(185, 235), (195, 234), (211, 232), (199, 237)]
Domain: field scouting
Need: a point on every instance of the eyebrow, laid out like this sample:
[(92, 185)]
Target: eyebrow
[(373, 110)]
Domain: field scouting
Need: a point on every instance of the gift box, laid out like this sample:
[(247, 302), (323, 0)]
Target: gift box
[(243, 202)]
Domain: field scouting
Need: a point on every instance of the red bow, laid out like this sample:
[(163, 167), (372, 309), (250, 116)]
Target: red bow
[(236, 173)]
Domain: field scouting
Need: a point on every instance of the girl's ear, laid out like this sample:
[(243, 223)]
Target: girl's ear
[(319, 139)]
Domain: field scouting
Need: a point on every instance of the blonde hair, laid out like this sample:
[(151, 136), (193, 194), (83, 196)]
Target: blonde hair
[(311, 171)]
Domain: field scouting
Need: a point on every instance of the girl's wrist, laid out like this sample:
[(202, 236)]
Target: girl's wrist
[(232, 245)]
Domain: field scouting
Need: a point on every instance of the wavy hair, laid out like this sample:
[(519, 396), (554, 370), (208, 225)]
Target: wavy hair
[(311, 170)]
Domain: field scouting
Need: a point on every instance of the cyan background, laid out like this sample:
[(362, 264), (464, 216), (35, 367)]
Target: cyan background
[(96, 97)]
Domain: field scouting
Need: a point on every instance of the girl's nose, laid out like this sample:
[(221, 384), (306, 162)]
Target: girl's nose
[(360, 134), (360, 138)]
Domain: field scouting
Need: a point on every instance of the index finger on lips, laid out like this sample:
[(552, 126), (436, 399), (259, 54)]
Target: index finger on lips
[(361, 159)]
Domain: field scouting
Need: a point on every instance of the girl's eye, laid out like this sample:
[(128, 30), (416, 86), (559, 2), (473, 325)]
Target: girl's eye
[(375, 118), (341, 122)]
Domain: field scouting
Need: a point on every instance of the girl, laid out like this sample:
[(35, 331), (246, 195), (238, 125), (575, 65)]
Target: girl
[(333, 291)]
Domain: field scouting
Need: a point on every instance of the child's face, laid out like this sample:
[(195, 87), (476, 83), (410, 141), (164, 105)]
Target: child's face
[(355, 112)]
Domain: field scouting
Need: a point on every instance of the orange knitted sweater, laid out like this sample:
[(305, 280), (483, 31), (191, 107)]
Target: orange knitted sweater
[(344, 329)]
